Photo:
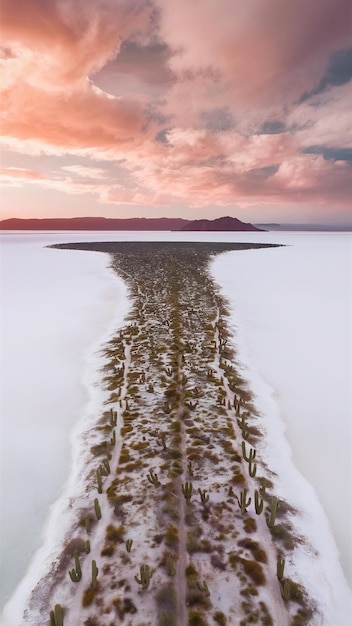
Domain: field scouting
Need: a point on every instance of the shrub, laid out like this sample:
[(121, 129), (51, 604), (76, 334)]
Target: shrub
[(220, 618), (171, 536), (114, 533), (89, 595), (108, 550), (250, 525), (254, 571), (196, 619)]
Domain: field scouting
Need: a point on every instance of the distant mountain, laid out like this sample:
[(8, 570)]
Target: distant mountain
[(307, 227), (220, 224), (135, 223), (93, 223)]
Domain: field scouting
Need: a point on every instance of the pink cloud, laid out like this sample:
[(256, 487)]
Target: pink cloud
[(192, 124), (257, 48)]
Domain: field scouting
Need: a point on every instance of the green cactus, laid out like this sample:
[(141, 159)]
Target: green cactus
[(106, 467), (145, 576), (248, 457), (262, 491), (190, 468), (242, 422), (95, 572), (153, 478), (245, 434), (129, 543), (203, 495), (204, 588), (97, 509), (113, 418), (187, 490), (56, 616), (87, 524), (87, 546), (243, 501), (280, 568), (171, 565), (76, 573), (286, 589), (113, 438), (252, 469), (99, 480), (273, 511), (258, 502)]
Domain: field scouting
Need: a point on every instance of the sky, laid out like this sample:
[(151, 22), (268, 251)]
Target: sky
[(195, 109)]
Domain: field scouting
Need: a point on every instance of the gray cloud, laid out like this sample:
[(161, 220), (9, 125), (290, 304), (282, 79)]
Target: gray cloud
[(217, 120), (330, 154), (338, 72), (272, 127)]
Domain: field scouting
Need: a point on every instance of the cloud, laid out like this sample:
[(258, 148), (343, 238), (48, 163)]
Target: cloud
[(333, 154), (194, 102), (338, 72), (85, 172)]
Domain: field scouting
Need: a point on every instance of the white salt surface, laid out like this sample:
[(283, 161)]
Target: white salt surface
[(57, 308), (292, 312)]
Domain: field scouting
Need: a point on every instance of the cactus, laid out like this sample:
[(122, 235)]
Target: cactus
[(187, 490), (242, 422), (262, 491), (190, 468), (169, 371), (129, 544), (76, 572), (204, 588), (273, 510), (280, 568), (203, 495), (258, 503), (97, 509), (145, 576), (87, 546), (153, 478), (286, 589), (245, 434), (95, 572), (56, 617), (99, 481), (171, 565), (106, 466), (243, 501), (113, 438), (252, 469), (113, 418), (248, 457), (87, 524)]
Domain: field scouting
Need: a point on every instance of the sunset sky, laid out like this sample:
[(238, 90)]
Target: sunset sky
[(182, 108)]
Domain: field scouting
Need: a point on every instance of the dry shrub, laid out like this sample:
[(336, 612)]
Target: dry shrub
[(254, 571)]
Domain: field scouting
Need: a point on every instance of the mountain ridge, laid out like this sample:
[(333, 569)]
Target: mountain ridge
[(227, 223)]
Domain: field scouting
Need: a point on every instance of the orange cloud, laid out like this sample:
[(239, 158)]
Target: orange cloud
[(216, 118)]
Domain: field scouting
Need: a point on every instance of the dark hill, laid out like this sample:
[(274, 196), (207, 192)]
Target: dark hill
[(135, 223), (220, 224)]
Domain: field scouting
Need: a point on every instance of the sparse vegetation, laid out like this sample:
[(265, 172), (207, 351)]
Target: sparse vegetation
[(177, 416)]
